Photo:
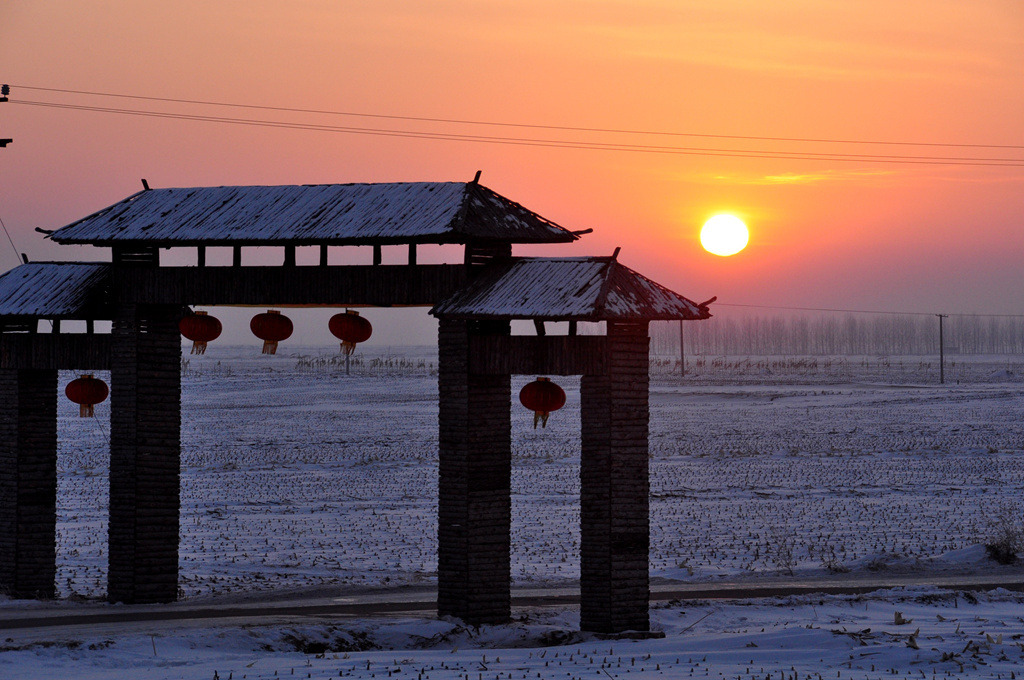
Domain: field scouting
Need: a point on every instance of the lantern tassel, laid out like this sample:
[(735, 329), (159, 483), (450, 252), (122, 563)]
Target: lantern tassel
[(347, 348), (270, 346), (541, 416), (198, 347), (85, 411)]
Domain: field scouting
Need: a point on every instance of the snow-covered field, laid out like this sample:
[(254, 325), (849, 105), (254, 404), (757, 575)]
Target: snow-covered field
[(298, 477)]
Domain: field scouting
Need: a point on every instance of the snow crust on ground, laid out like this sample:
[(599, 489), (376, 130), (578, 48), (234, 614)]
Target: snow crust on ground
[(911, 633)]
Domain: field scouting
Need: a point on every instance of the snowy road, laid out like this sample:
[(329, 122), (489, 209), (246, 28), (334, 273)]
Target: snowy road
[(423, 600), (901, 633)]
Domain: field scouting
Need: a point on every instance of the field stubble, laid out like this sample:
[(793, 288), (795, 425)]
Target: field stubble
[(296, 475)]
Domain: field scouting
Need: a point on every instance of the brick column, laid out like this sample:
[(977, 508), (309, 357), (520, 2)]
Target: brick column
[(28, 482), (145, 446), (614, 504), (474, 501)]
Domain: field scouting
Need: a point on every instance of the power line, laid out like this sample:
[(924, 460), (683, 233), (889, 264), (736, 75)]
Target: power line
[(864, 311), (566, 128), (20, 257), (551, 143)]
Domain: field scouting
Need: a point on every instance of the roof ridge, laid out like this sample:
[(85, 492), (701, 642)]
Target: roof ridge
[(458, 223), (606, 285)]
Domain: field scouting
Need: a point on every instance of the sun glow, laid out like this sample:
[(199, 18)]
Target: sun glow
[(724, 235)]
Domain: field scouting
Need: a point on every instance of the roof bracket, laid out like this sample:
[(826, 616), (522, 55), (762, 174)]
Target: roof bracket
[(145, 185)]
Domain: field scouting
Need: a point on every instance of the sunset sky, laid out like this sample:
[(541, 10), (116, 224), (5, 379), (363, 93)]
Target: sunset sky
[(864, 233)]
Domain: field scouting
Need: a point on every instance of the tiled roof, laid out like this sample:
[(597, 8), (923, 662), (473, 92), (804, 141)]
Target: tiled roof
[(54, 289), (408, 212), (588, 288)]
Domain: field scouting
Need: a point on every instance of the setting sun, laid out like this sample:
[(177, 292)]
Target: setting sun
[(724, 235)]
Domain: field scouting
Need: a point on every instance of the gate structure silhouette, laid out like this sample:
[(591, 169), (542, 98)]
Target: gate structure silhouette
[(474, 302)]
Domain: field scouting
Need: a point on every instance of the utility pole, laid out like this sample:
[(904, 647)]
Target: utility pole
[(942, 352), (682, 353), (4, 91)]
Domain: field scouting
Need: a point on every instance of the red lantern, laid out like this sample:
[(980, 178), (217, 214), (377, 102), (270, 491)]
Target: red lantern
[(542, 397), (86, 391), (271, 327), (200, 328), (351, 329)]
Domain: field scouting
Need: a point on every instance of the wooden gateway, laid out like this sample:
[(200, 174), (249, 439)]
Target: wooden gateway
[(474, 302)]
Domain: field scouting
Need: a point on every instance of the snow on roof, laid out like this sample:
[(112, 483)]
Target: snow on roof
[(53, 289), (588, 288), (407, 212)]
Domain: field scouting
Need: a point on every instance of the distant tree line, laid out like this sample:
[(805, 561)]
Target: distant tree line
[(838, 334)]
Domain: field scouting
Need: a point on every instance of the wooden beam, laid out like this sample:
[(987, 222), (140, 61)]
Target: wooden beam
[(289, 256), (381, 285), (412, 253), (236, 256), (48, 351), (323, 256), (537, 355), (136, 255), (19, 324), (201, 256), (377, 257)]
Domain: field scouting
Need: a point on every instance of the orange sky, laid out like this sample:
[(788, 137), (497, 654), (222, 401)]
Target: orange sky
[(823, 233)]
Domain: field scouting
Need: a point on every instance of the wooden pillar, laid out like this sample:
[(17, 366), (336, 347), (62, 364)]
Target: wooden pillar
[(145, 428), (615, 525), (474, 501), (28, 482)]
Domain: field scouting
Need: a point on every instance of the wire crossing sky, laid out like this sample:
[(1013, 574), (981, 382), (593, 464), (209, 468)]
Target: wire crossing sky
[(507, 124), (554, 143), (873, 149)]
